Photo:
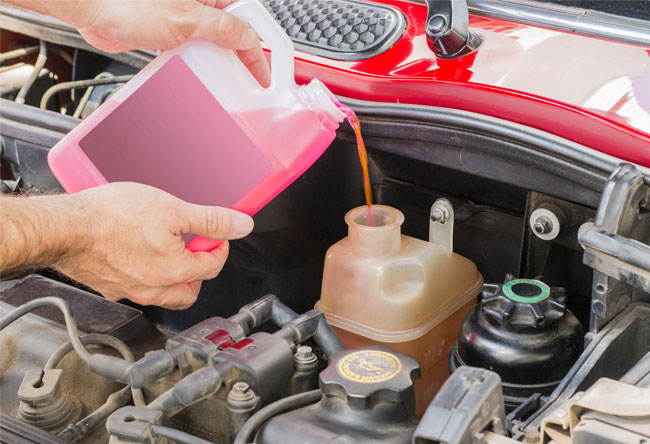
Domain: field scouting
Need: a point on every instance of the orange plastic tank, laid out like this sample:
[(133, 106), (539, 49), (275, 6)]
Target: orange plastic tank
[(382, 287)]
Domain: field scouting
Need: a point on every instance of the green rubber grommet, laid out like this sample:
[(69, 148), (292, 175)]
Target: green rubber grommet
[(545, 291)]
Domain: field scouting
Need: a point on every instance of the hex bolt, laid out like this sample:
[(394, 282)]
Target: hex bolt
[(543, 225), (240, 387), (304, 354), (440, 215), (240, 392)]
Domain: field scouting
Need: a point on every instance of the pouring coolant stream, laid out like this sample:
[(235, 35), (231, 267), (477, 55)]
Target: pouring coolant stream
[(363, 157), (196, 123)]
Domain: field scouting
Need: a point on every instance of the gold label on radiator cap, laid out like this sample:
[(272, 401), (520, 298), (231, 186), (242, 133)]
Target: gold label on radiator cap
[(369, 366)]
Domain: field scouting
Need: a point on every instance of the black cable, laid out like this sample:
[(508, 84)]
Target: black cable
[(177, 435), (109, 341), (70, 322), (253, 423), (80, 84)]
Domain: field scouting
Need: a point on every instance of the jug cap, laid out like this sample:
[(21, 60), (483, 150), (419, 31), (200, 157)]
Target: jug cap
[(317, 98)]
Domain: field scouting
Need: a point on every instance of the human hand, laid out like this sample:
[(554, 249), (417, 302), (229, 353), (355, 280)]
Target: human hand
[(132, 246), (115, 26)]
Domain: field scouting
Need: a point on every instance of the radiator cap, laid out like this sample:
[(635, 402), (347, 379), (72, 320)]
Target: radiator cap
[(370, 375)]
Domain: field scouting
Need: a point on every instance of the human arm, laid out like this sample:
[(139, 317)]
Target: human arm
[(119, 25), (121, 239)]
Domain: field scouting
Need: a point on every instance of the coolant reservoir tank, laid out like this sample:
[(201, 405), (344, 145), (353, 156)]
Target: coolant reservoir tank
[(384, 288)]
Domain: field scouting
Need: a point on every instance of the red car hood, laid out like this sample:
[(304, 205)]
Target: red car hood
[(588, 90)]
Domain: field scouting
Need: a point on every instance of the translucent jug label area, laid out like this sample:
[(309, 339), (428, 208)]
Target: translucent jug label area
[(197, 153)]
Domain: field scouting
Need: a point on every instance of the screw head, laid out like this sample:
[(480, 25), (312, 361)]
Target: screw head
[(240, 387), (439, 215), (543, 225), (240, 392), (304, 351), (304, 355)]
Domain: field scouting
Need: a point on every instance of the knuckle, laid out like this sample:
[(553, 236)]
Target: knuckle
[(176, 275), (212, 221), (227, 28)]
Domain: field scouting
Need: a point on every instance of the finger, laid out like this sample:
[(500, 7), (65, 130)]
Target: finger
[(220, 27), (178, 297), (256, 62), (215, 222), (217, 3), (196, 288), (205, 265)]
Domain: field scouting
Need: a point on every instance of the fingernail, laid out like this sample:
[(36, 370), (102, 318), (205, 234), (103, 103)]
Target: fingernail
[(242, 224), (249, 39)]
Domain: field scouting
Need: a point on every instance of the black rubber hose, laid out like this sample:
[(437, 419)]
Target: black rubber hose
[(70, 322), (177, 435), (109, 341), (251, 426)]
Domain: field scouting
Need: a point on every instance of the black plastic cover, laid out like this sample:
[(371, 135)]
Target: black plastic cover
[(339, 29), (368, 397)]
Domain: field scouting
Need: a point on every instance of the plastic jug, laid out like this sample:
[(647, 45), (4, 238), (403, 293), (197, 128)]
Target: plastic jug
[(381, 287), (194, 122)]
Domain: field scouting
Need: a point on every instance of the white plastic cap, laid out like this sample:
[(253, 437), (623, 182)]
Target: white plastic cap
[(318, 98)]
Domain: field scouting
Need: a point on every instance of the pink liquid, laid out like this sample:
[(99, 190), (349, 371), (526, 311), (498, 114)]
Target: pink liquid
[(363, 157)]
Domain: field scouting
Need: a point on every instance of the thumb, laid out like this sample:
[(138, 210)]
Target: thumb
[(222, 28), (216, 222)]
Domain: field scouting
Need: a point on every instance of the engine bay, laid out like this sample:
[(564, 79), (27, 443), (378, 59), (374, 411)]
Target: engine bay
[(545, 340)]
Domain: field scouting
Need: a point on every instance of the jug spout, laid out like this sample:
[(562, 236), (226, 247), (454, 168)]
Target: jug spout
[(383, 238), (317, 98)]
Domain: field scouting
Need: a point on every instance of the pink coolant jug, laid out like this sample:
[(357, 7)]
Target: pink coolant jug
[(195, 123)]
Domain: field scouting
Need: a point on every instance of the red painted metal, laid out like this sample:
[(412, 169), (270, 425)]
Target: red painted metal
[(592, 91)]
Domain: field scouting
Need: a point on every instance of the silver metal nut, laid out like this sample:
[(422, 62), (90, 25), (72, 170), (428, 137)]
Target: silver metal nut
[(544, 224)]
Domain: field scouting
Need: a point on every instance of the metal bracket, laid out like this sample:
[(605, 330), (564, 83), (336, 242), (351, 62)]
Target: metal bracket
[(615, 246), (448, 33), (549, 221), (441, 225)]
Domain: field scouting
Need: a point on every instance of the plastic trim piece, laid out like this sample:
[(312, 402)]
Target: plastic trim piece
[(545, 151), (332, 12)]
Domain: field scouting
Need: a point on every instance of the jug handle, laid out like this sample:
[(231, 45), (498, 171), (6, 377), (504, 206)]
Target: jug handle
[(281, 46)]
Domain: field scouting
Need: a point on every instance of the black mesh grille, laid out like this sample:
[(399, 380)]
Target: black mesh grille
[(343, 30)]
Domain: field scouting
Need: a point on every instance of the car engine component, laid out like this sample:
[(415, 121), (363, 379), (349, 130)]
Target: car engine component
[(519, 198), (522, 331), (368, 397)]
